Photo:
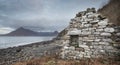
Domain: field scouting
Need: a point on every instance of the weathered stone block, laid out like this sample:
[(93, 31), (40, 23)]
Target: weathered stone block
[(80, 38), (108, 47), (102, 51), (97, 40), (77, 18), (118, 34), (84, 30), (107, 40), (86, 38), (86, 33), (87, 25), (105, 34), (84, 43), (96, 33), (103, 26), (116, 45), (95, 43), (98, 47), (91, 29), (89, 40), (69, 48), (109, 30), (99, 30), (104, 43), (81, 54), (94, 21), (88, 19), (91, 47), (84, 46), (87, 56), (89, 44), (74, 32), (95, 25), (103, 22)]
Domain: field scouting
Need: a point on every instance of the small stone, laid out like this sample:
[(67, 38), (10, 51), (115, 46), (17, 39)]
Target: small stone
[(86, 33), (108, 47), (88, 19), (104, 43), (84, 46), (103, 26), (116, 45), (86, 29), (118, 34), (77, 18), (87, 56), (104, 22), (96, 33), (87, 25), (91, 47), (95, 25), (91, 29), (74, 32), (105, 34), (107, 40), (65, 47), (97, 40), (109, 30), (99, 30), (80, 38), (89, 40), (102, 51), (86, 38), (95, 21), (98, 47)]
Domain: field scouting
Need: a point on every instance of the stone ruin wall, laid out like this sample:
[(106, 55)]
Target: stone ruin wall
[(96, 37)]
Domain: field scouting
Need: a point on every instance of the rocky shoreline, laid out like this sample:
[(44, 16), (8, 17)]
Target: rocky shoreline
[(27, 52)]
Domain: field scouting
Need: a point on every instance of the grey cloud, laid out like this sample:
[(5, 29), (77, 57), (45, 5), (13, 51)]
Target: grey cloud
[(42, 15), (17, 6), (37, 25)]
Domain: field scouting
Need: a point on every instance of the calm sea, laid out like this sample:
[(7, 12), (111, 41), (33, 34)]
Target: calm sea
[(6, 42)]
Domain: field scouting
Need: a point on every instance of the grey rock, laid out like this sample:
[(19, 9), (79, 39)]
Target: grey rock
[(105, 34), (109, 30)]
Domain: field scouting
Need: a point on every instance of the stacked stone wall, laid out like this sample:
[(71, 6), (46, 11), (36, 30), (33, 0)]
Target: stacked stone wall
[(97, 37)]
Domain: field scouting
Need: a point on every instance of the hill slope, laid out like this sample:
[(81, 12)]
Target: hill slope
[(26, 32), (22, 32), (112, 11)]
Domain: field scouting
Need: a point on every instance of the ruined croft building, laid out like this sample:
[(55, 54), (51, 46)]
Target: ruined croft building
[(90, 35)]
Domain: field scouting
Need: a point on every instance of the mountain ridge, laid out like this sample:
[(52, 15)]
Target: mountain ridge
[(27, 32)]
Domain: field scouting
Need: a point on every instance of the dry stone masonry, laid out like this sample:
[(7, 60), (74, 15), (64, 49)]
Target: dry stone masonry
[(90, 35)]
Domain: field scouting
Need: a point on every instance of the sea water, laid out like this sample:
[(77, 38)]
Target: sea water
[(6, 41)]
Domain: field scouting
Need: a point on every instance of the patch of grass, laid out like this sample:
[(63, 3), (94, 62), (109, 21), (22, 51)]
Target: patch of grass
[(54, 60)]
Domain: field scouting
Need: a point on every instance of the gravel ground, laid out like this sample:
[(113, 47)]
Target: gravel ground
[(27, 52)]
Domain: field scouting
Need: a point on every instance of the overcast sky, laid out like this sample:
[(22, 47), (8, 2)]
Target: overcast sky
[(41, 15)]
